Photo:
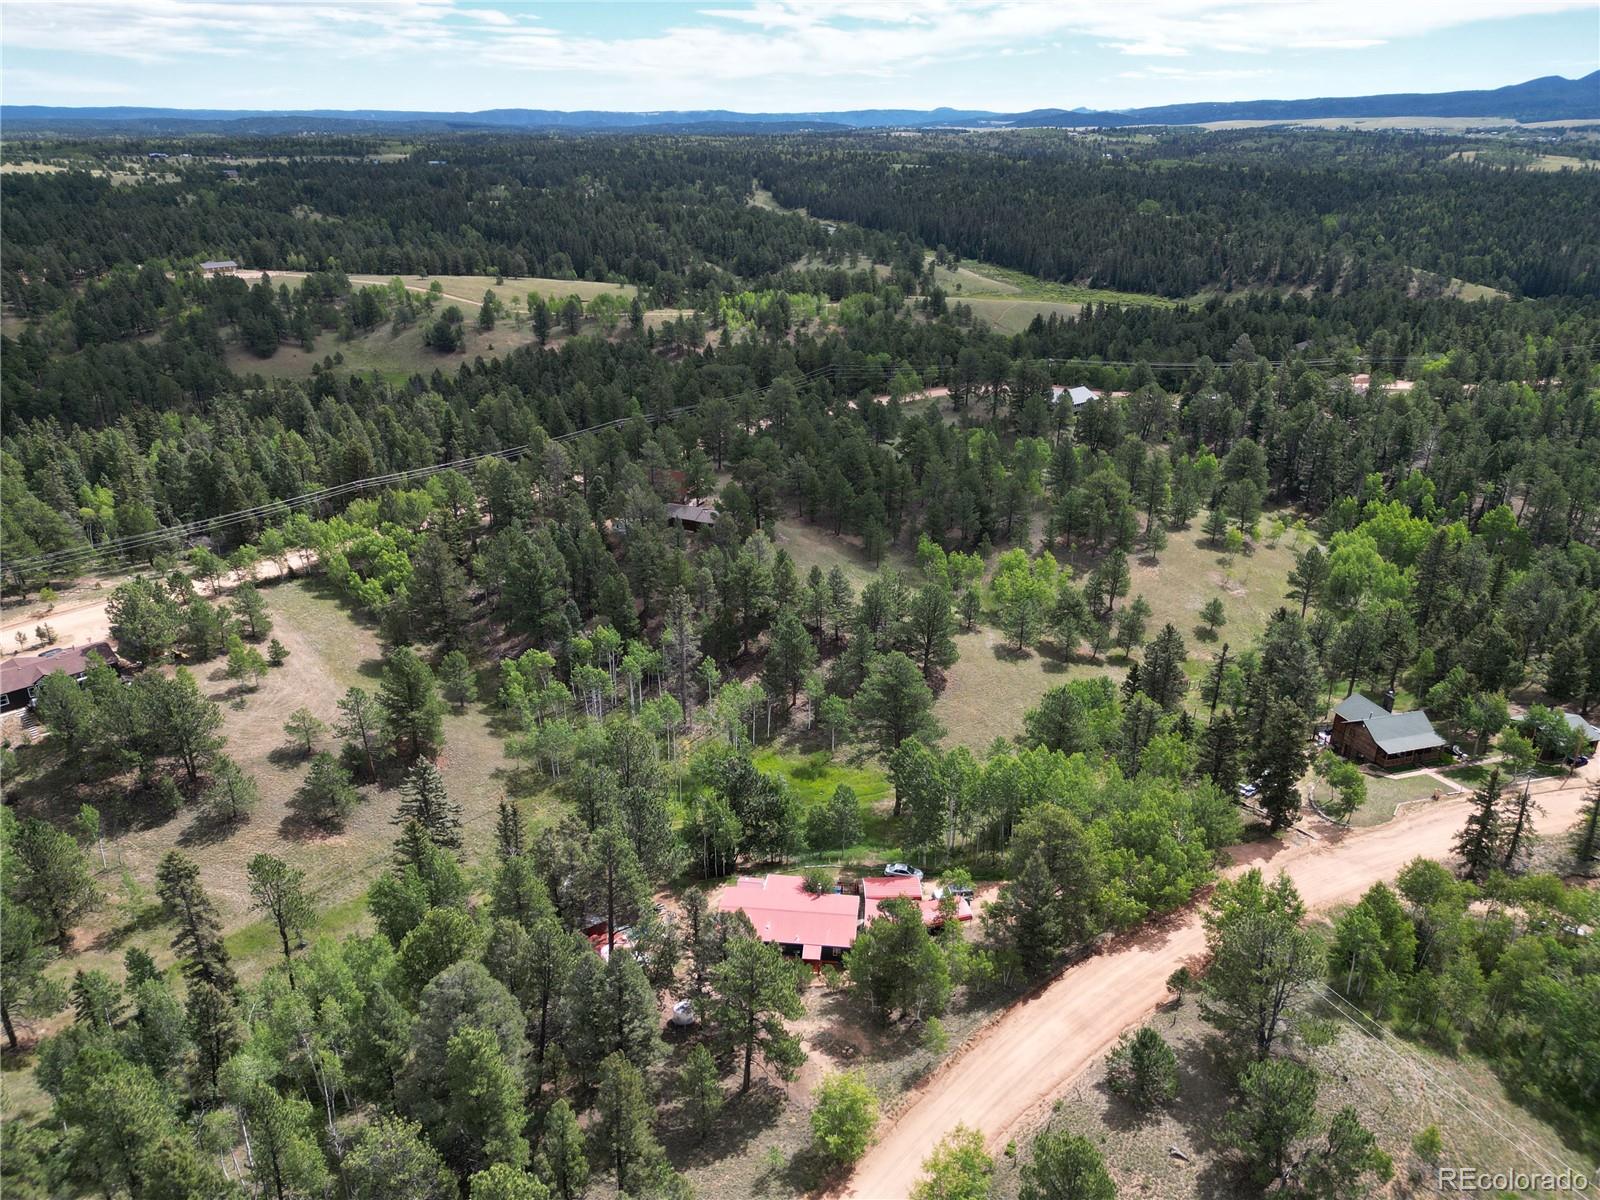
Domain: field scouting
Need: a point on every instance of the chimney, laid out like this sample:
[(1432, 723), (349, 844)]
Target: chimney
[(1388, 700)]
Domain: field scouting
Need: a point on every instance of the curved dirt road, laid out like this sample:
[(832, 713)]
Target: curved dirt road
[(1039, 1047)]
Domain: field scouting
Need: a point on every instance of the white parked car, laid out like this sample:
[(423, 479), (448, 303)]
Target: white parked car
[(903, 870), (1247, 790), (683, 1013)]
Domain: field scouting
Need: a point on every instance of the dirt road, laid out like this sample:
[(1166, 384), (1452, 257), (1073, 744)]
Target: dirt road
[(1037, 1049), (86, 620)]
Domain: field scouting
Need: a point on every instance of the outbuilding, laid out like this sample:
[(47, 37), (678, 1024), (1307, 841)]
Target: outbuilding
[(693, 515)]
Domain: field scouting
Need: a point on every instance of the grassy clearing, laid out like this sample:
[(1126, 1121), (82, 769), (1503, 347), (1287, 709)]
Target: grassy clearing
[(1384, 1081), (1014, 316), (395, 357), (991, 686), (815, 546), (988, 279), (816, 775)]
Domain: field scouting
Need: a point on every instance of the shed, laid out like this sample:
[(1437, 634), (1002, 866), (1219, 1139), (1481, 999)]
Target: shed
[(1079, 395), (219, 266), (878, 888)]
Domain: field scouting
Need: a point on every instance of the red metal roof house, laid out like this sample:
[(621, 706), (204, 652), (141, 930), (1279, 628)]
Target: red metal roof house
[(818, 929), (878, 888)]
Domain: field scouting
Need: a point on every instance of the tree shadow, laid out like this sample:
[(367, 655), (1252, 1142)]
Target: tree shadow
[(743, 1118), (288, 757), (207, 830), (1006, 652), (148, 917), (302, 827)]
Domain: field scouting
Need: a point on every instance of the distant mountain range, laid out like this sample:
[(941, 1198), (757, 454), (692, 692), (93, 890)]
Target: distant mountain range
[(1551, 98)]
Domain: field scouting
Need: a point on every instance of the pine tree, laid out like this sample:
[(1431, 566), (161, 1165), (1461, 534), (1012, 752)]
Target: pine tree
[(510, 834), (895, 703), (1276, 1107), (1261, 958), (198, 940), (391, 1159), (790, 656), (278, 891), (1307, 579), (563, 1163), (1026, 918), (408, 698), (1064, 1166), (1161, 675), (423, 799), (326, 796), (483, 1114), (213, 1029), (1586, 843), (1280, 760), (753, 994), (929, 628), (50, 875), (304, 727), (457, 680), (360, 720), (1143, 1070), (251, 611), (700, 1086), (1478, 843), (231, 794), (622, 1127)]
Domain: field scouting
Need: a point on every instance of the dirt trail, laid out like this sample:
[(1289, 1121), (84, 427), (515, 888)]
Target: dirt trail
[(1039, 1048)]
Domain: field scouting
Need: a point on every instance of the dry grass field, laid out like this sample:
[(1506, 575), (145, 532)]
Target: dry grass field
[(1398, 1088), (395, 357), (991, 686), (328, 653)]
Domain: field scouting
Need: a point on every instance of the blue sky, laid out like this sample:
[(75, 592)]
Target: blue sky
[(773, 55)]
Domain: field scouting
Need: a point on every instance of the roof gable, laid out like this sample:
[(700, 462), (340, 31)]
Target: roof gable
[(1400, 733), (1356, 707)]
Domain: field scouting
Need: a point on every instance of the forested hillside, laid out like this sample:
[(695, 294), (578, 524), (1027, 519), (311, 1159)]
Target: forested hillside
[(529, 726)]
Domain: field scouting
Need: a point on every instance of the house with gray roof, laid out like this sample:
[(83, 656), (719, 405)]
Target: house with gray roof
[(1589, 733), (1367, 730)]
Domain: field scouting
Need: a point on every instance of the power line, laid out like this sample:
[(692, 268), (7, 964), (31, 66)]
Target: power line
[(1446, 1089), (121, 547)]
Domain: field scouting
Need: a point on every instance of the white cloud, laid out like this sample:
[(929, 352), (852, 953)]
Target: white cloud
[(762, 49)]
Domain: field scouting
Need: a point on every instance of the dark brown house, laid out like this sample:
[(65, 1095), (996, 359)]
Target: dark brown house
[(1366, 730), (19, 676)]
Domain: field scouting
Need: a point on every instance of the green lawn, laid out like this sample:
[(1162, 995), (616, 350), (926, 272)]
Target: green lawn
[(1384, 796), (815, 777)]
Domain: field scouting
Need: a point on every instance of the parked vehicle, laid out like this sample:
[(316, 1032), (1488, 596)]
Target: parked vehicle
[(1578, 760), (1458, 754), (1247, 790), (903, 871), (683, 1014)]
